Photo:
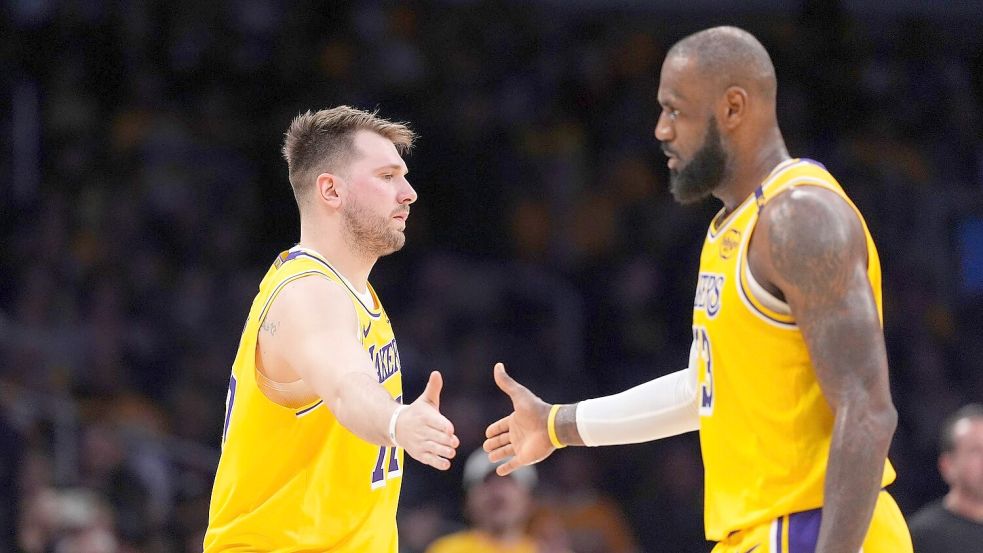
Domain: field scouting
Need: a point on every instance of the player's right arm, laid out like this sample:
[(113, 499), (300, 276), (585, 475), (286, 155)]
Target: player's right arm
[(660, 408), (316, 339)]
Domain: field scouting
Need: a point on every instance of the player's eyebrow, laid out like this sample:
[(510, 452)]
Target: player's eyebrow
[(672, 97), (396, 167)]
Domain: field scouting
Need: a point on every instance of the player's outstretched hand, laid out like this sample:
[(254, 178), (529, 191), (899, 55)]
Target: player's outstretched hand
[(521, 437), (423, 432)]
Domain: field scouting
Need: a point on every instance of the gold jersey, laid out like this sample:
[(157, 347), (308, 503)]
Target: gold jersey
[(474, 541), (294, 479), (765, 427)]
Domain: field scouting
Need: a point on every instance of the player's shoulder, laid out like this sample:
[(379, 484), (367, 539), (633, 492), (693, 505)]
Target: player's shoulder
[(807, 234), (810, 215), (312, 295)]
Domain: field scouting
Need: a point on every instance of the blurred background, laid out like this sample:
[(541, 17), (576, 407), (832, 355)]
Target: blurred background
[(143, 196)]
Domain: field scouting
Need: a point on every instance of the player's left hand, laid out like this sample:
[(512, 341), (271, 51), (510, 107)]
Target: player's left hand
[(521, 437)]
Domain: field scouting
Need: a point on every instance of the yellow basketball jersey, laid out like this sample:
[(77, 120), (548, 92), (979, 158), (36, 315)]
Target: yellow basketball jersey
[(765, 427), (295, 479)]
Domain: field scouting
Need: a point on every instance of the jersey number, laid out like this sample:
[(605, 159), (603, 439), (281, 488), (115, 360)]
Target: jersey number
[(379, 475), (701, 346)]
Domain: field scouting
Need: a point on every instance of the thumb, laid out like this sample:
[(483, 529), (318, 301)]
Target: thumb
[(432, 392), (505, 382)]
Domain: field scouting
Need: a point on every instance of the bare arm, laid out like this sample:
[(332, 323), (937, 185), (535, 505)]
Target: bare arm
[(810, 244), (316, 338)]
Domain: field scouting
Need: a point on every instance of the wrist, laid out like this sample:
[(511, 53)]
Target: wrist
[(393, 419), (551, 426)]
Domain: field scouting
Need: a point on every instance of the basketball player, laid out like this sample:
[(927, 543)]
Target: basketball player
[(787, 380), (315, 425)]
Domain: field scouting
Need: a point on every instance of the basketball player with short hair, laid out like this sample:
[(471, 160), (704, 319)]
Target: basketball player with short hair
[(787, 381), (315, 425)]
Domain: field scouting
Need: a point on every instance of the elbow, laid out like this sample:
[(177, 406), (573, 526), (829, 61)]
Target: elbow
[(889, 416), (880, 421)]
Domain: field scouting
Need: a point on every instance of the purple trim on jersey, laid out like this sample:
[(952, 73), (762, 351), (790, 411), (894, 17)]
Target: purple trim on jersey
[(814, 162), (228, 408), (303, 412), (778, 534), (803, 531), (292, 255)]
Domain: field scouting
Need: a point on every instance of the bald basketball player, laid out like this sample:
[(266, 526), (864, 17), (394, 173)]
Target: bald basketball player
[(787, 379)]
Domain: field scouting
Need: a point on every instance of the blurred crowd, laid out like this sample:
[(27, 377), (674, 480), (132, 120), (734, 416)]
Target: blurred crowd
[(143, 197)]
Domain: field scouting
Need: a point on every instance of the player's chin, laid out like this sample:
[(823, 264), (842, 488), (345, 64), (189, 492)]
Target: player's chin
[(395, 242)]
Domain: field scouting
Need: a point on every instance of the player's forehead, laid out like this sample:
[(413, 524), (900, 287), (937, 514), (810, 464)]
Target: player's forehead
[(680, 80), (376, 151)]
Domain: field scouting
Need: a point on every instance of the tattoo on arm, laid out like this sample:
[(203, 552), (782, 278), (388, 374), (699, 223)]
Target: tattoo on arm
[(270, 326), (822, 270)]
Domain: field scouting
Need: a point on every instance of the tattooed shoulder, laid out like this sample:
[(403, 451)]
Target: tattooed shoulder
[(270, 326), (813, 237)]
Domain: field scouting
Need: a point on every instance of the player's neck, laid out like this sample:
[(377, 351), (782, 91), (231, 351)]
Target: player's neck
[(749, 171), (964, 505), (337, 252)]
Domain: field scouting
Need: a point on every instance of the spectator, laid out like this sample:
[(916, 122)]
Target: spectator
[(593, 519), (955, 522), (70, 520), (498, 508)]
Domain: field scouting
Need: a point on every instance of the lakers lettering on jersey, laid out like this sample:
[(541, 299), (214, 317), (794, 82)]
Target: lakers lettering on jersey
[(765, 427), (294, 479)]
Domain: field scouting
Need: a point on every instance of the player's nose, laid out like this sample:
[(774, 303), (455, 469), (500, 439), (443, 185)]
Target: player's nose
[(407, 194), (663, 128)]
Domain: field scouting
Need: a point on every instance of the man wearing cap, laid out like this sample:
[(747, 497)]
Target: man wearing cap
[(498, 508)]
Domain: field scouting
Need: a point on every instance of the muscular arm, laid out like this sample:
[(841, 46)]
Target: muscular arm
[(316, 339), (809, 244)]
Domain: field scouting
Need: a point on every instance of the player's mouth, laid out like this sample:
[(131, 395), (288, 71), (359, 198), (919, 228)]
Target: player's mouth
[(402, 215), (673, 161)]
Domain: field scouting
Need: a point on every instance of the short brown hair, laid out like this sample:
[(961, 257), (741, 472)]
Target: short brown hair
[(322, 141)]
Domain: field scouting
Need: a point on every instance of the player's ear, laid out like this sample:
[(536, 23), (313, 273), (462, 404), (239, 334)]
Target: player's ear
[(326, 189), (734, 107)]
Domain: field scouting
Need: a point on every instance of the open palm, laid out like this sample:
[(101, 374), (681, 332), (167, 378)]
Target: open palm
[(521, 437)]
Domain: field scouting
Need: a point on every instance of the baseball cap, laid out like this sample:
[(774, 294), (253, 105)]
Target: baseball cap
[(478, 467)]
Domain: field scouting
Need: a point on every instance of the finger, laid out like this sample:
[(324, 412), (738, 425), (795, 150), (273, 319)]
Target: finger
[(440, 423), (496, 442), (442, 450), (504, 381), (438, 436), (501, 453), (436, 462), (507, 468), (501, 426), (431, 394)]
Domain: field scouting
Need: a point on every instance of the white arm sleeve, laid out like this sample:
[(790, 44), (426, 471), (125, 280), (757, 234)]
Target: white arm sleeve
[(660, 408)]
